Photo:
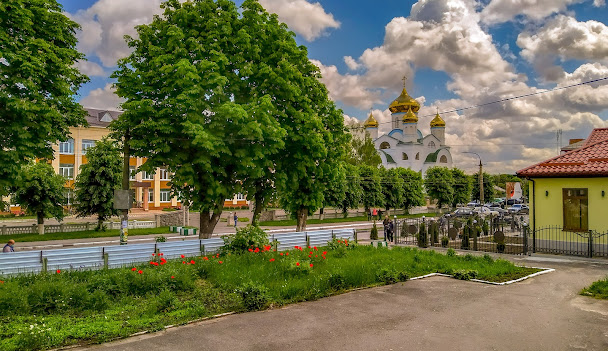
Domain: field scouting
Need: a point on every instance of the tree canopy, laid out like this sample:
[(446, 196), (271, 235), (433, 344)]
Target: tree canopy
[(363, 151), (38, 83), (439, 185), (370, 185), (413, 194), (488, 187), (97, 180), (392, 188), (462, 187)]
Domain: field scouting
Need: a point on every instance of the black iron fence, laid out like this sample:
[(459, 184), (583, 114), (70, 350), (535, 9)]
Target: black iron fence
[(557, 240)]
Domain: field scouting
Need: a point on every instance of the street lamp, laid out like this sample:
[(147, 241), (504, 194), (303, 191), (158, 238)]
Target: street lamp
[(480, 178)]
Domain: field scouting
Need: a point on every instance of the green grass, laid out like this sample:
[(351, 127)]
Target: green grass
[(63, 308), (16, 217), (23, 238), (291, 222), (598, 289)]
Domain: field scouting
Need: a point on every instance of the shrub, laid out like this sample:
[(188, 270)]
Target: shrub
[(255, 297), (422, 236), (451, 252), (434, 231), (165, 301), (402, 276), (337, 281), (243, 219), (445, 241), (387, 276), (244, 239), (465, 274), (373, 235), (500, 247), (160, 239), (404, 231), (488, 258)]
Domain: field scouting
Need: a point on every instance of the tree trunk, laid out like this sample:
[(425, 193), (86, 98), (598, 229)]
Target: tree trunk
[(100, 224), (321, 214), (40, 216), (302, 215), (257, 208), (208, 222)]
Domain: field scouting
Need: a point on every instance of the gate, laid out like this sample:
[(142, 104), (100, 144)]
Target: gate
[(557, 240)]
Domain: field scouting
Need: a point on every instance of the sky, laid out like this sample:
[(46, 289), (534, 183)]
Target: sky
[(455, 54)]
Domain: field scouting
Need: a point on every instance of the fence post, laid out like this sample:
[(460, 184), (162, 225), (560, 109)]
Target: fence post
[(202, 247), (44, 262), (307, 239), (106, 257), (4, 229), (333, 236), (590, 243), (355, 234), (525, 237), (534, 239)]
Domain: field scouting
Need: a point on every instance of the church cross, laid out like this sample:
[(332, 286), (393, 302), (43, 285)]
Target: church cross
[(404, 79)]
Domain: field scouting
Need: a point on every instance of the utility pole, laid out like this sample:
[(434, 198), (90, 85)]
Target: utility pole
[(480, 178), (124, 223)]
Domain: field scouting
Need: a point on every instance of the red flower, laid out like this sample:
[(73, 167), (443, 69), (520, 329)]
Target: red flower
[(324, 252), (161, 253), (192, 262), (315, 248), (59, 271), (281, 254), (206, 258), (133, 269), (140, 271), (296, 247), (311, 264), (309, 255), (1, 281), (287, 254), (271, 260), (220, 262), (250, 249), (184, 262), (172, 277), (309, 247), (316, 255), (257, 249), (163, 261), (297, 263), (324, 257), (268, 247), (152, 254), (183, 256)]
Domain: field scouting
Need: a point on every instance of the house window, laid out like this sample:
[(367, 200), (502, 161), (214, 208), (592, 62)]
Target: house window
[(147, 176), (240, 196), (432, 145), (575, 203), (443, 159), (164, 175), (150, 195), (165, 195), (87, 144), (404, 156), (418, 156), (66, 147), (385, 145), (67, 170), (69, 196), (132, 173)]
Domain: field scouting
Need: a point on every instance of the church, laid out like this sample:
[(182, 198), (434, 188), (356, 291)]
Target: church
[(405, 146)]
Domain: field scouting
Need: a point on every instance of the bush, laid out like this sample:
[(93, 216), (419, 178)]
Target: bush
[(451, 252), (434, 231), (500, 247), (373, 235), (255, 297), (244, 239), (243, 219), (387, 276), (465, 274), (422, 236), (337, 281), (445, 241), (160, 239)]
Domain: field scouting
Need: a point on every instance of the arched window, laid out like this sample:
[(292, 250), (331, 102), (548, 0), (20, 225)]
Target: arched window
[(418, 156), (432, 145), (385, 145), (405, 156), (443, 159)]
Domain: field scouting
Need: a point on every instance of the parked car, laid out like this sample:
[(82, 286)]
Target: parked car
[(473, 204), (485, 211), (511, 202), (519, 208), (463, 212)]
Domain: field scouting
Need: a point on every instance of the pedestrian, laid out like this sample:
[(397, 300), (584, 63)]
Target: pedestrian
[(9, 247), (236, 219), (375, 214), (391, 230), (385, 223), (369, 214)]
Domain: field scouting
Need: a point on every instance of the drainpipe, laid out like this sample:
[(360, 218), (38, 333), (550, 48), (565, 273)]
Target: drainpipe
[(533, 214)]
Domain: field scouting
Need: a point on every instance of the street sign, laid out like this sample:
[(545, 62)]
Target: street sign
[(122, 199)]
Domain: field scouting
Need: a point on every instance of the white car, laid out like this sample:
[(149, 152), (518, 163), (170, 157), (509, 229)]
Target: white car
[(484, 211)]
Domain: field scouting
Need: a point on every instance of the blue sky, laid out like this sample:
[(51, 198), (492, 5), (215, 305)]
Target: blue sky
[(456, 53)]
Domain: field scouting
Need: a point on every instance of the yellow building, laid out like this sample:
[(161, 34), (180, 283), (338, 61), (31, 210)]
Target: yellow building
[(571, 190)]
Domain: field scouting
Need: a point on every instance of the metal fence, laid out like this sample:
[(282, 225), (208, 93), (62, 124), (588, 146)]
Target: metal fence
[(557, 240), (118, 256), (73, 227)]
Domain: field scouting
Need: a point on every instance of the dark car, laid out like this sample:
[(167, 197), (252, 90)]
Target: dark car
[(511, 202), (463, 212)]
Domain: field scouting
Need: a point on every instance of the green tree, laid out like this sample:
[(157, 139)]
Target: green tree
[(462, 187), (97, 180), (413, 194), (488, 187), (392, 188), (363, 151), (38, 83), (439, 185), (40, 191), (335, 191), (353, 191), (191, 105), (370, 185)]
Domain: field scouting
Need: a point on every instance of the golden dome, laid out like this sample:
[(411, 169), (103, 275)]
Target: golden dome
[(403, 103), (410, 117), (370, 122), (437, 121)]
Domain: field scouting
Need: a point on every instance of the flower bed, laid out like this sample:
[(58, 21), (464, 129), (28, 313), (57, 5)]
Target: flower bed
[(62, 308)]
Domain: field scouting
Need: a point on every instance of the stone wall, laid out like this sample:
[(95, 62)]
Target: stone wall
[(175, 218), (268, 216)]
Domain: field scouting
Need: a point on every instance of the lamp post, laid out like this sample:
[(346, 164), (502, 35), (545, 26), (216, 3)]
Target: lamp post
[(481, 202)]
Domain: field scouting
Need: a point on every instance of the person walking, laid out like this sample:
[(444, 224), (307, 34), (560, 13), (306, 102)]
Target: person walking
[(391, 230), (9, 247), (369, 214), (385, 223), (375, 214), (236, 219)]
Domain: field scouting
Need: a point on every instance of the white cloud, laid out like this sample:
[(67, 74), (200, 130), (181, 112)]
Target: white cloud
[(599, 3), (91, 69), (102, 98), (307, 19), (499, 11), (351, 63)]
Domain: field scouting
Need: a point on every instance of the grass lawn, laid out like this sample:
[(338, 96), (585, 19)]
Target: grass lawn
[(23, 238), (63, 308), (290, 222), (598, 289), (15, 217)]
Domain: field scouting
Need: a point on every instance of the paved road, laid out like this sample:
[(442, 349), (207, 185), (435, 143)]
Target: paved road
[(543, 313)]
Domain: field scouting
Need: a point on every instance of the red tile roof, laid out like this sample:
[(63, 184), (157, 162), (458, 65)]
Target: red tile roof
[(590, 160), (596, 135)]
